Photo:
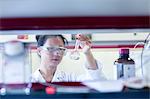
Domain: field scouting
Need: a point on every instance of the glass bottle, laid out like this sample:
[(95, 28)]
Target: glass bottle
[(124, 65)]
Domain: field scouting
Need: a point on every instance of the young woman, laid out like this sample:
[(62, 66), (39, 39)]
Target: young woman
[(51, 49)]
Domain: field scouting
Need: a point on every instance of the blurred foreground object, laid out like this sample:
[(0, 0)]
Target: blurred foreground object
[(16, 67)]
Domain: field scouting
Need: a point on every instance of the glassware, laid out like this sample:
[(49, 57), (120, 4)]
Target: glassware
[(16, 69), (124, 65), (75, 55)]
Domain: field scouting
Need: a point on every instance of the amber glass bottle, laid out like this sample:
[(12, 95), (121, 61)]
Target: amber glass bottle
[(125, 66)]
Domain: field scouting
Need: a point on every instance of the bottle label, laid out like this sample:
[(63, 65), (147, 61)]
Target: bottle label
[(125, 71), (129, 70)]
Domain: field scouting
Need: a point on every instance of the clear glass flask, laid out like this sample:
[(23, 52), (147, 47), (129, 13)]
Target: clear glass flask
[(75, 55)]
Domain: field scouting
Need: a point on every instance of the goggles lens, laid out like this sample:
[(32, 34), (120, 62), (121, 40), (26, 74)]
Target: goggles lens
[(54, 49)]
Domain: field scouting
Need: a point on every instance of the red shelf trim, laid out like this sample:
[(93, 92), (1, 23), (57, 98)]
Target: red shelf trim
[(99, 22), (101, 46)]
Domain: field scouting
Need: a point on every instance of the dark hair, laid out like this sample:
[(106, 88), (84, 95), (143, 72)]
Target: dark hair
[(41, 39)]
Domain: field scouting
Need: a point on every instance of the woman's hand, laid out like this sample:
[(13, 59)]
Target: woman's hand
[(84, 42)]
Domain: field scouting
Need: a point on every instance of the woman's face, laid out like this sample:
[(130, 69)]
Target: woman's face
[(52, 52)]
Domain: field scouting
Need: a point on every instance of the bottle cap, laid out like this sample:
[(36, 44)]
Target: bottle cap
[(124, 51)]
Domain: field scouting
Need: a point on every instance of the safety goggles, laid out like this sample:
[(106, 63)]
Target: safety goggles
[(52, 49)]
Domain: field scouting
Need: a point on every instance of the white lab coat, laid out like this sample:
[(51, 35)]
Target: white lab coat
[(71, 77)]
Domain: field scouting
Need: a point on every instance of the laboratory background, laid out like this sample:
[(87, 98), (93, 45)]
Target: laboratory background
[(119, 31)]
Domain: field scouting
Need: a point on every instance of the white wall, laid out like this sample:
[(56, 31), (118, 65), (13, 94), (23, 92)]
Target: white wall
[(42, 8)]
